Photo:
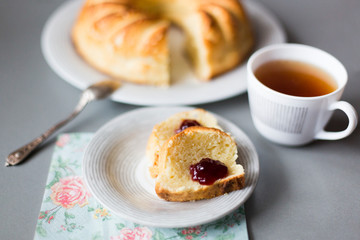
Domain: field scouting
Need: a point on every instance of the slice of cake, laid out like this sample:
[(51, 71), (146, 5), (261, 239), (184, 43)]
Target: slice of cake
[(198, 163), (174, 124)]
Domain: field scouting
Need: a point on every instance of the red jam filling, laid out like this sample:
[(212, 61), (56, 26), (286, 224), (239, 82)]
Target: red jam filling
[(187, 123), (207, 171)]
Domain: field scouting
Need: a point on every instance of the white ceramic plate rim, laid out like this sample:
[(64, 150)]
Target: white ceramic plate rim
[(97, 181), (59, 53)]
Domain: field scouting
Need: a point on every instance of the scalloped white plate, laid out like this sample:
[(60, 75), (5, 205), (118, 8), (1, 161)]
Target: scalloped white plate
[(116, 172), (185, 89)]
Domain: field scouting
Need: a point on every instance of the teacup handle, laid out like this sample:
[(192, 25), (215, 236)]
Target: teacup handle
[(353, 120)]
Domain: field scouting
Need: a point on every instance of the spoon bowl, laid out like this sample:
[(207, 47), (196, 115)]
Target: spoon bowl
[(103, 89)]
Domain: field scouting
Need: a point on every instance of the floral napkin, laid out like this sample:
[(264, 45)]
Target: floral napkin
[(69, 211)]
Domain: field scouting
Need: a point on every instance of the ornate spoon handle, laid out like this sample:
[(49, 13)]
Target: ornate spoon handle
[(20, 154)]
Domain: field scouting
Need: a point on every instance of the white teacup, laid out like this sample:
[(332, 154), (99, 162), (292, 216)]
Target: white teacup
[(293, 120)]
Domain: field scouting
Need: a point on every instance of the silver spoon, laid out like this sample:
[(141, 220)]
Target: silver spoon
[(96, 91)]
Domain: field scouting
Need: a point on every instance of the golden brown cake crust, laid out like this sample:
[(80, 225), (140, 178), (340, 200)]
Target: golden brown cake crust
[(218, 188), (122, 42), (127, 39)]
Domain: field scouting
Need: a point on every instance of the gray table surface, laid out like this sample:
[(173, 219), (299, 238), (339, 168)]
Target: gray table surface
[(309, 192)]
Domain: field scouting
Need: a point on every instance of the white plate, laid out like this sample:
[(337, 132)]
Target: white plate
[(116, 172), (186, 89)]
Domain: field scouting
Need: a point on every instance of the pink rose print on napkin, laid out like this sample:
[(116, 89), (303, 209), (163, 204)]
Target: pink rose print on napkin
[(63, 140), (138, 233), (70, 191)]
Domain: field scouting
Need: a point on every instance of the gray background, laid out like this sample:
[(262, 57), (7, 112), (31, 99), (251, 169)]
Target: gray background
[(310, 192)]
